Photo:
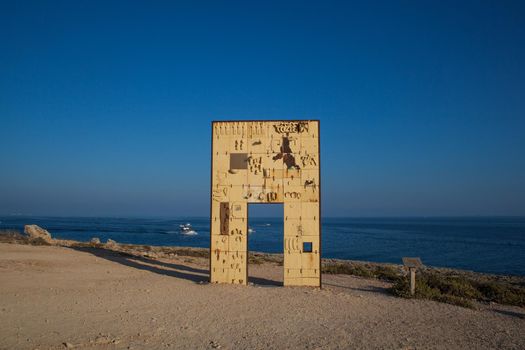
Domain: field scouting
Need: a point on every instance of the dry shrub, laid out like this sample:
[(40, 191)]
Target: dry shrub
[(383, 272), (459, 290)]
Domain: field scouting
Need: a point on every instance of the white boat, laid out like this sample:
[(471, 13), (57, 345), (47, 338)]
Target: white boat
[(251, 230), (186, 229)]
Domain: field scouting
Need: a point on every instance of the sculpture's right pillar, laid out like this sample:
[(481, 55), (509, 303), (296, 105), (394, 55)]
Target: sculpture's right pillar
[(302, 216)]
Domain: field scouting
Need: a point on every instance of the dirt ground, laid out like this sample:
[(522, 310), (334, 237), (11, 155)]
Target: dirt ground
[(56, 297)]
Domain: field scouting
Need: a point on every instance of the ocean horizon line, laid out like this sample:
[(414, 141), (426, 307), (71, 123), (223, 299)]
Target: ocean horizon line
[(269, 217)]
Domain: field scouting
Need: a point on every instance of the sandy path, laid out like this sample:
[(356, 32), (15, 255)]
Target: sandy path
[(53, 295)]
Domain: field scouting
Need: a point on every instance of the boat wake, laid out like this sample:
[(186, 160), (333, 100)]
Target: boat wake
[(189, 233), (186, 229)]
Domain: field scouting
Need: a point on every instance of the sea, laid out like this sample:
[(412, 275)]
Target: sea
[(483, 244)]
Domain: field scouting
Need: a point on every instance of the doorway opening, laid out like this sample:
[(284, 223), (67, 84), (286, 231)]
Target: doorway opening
[(265, 235)]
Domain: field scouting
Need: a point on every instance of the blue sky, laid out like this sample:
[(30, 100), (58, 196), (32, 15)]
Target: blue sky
[(105, 106)]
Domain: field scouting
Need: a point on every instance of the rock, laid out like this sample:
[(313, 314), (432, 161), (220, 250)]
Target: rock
[(215, 345), (68, 345), (111, 242), (36, 232), (95, 240)]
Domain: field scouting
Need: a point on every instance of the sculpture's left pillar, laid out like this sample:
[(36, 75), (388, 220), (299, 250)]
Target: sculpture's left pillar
[(229, 212)]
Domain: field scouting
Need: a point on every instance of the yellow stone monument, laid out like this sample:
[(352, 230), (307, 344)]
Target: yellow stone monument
[(265, 162)]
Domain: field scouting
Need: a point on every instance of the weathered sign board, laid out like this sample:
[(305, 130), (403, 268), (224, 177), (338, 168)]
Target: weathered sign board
[(412, 263), (265, 162)]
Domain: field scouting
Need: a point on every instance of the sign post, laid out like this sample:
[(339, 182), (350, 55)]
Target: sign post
[(412, 264)]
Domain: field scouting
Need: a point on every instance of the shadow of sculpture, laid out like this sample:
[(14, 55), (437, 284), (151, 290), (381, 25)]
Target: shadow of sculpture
[(163, 268), (155, 266), (369, 289), (264, 282), (510, 313)]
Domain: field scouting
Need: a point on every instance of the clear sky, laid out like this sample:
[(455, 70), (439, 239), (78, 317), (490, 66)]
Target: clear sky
[(105, 106)]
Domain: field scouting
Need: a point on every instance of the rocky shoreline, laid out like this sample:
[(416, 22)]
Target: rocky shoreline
[(455, 286)]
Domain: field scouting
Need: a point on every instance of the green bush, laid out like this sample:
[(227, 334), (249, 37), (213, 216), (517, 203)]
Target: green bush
[(428, 287), (347, 269), (456, 286), (503, 294), (388, 273), (459, 290)]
